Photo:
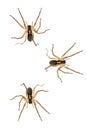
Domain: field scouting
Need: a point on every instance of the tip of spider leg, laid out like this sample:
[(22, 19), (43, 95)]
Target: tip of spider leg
[(46, 69), (18, 120), (46, 30), (10, 99), (46, 91), (19, 43), (40, 8), (81, 73), (48, 112), (13, 37), (52, 45), (81, 51), (22, 84), (37, 44), (41, 119), (74, 43), (60, 80)]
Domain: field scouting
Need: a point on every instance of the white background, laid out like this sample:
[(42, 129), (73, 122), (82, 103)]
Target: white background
[(66, 101)]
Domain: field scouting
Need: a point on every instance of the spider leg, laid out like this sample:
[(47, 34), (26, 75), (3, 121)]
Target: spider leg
[(35, 43), (53, 52), (72, 54), (17, 96), (36, 30), (23, 41), (22, 18), (58, 73), (37, 110), (40, 91), (22, 111), (37, 86), (20, 103), (69, 49), (41, 32), (72, 70), (23, 84), (47, 67), (65, 72), (48, 55), (37, 17), (41, 106), (22, 97), (39, 26), (17, 22), (20, 37)]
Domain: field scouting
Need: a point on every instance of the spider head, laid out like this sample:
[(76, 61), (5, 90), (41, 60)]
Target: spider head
[(29, 91)]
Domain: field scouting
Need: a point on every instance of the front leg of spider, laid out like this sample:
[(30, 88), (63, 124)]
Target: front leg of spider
[(37, 30)]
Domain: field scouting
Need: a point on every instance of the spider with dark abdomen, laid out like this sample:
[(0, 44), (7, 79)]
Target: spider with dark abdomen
[(30, 98), (61, 61), (29, 29)]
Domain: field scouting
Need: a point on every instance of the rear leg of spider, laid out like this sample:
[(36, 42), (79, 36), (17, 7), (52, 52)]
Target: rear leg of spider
[(60, 69), (37, 111), (73, 70), (22, 97), (21, 111), (35, 101)]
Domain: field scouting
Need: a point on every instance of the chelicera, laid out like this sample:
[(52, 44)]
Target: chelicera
[(30, 99), (61, 61), (29, 29)]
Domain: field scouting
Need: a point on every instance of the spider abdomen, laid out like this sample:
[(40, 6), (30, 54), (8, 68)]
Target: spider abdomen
[(56, 62), (30, 37), (30, 34)]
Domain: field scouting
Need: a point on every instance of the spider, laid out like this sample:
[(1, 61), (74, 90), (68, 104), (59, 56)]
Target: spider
[(30, 98), (29, 29), (61, 61)]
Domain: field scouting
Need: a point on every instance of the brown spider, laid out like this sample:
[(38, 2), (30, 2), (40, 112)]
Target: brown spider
[(29, 29), (61, 62), (30, 98)]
